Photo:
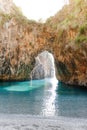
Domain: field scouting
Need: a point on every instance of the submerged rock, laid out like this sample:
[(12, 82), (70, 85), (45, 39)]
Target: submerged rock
[(44, 66)]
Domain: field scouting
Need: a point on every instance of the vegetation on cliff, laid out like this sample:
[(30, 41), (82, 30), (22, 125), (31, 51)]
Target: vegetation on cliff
[(64, 35), (20, 41), (70, 26), (72, 18)]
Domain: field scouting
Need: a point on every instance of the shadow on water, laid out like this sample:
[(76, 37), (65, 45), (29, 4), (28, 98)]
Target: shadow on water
[(64, 89), (71, 101)]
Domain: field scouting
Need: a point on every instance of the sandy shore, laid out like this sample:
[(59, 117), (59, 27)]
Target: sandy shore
[(39, 123)]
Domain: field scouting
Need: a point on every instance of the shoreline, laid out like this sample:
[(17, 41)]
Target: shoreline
[(29, 122)]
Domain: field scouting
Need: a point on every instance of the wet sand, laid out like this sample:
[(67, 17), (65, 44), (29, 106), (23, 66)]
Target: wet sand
[(16, 122)]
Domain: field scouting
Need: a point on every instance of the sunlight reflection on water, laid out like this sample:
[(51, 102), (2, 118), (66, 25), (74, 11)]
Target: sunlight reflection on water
[(46, 97), (50, 101), (35, 97)]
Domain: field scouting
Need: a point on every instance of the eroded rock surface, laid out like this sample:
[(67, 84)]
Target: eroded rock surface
[(64, 35)]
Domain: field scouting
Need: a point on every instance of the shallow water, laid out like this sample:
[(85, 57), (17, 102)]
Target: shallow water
[(43, 98)]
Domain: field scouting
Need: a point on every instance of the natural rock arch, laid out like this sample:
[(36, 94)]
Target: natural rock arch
[(44, 66)]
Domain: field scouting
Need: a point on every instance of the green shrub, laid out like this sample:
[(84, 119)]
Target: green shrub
[(82, 29), (30, 43), (4, 18), (80, 39)]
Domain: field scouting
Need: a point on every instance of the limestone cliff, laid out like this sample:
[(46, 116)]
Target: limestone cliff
[(64, 35), (70, 47), (20, 41)]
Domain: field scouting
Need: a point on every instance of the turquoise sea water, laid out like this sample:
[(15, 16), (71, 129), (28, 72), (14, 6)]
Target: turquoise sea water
[(44, 98)]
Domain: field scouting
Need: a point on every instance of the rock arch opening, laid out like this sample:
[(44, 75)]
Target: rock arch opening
[(44, 66)]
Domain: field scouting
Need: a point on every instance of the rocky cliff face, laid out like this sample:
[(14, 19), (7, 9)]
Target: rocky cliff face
[(70, 47), (64, 35), (19, 44), (20, 41)]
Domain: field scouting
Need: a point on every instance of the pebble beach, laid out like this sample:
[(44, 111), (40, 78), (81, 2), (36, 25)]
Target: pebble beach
[(16, 122)]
